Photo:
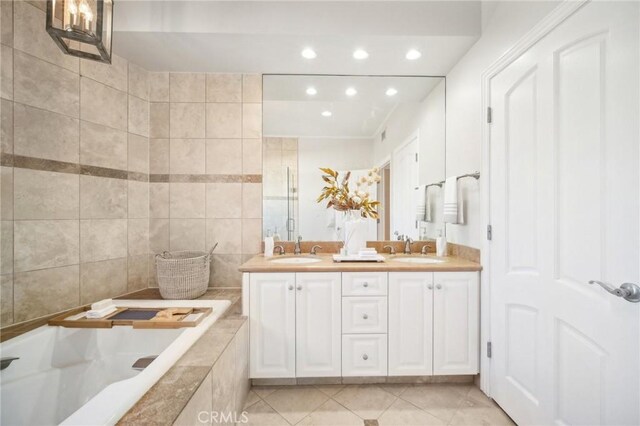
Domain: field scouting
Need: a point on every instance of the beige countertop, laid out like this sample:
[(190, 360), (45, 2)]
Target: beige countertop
[(259, 263)]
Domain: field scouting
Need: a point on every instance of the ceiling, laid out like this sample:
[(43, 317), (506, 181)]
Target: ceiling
[(289, 111), (268, 36)]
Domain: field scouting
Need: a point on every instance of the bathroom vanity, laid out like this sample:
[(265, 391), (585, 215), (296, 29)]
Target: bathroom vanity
[(401, 317)]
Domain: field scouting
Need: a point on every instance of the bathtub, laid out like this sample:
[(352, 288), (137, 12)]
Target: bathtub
[(76, 376)]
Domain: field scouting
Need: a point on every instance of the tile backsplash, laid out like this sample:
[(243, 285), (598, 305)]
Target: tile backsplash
[(74, 199)]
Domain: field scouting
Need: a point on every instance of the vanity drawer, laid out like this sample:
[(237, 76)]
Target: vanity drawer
[(364, 355), (364, 283), (364, 315)]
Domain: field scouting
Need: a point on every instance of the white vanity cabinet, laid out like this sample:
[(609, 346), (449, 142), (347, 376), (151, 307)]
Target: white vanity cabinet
[(332, 324), (318, 324), (434, 323), (410, 323), (272, 325), (295, 326), (456, 323)]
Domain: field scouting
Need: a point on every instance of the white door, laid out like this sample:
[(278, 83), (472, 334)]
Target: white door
[(456, 327), (404, 181), (564, 209), (410, 323), (272, 310), (318, 329)]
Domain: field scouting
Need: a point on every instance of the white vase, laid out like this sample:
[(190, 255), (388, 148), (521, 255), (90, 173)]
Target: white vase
[(355, 232)]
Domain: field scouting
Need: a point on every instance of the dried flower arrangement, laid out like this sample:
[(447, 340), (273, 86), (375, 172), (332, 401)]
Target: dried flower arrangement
[(341, 198)]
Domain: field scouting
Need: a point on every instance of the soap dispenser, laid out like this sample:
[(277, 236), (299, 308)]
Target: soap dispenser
[(441, 245), (268, 244)]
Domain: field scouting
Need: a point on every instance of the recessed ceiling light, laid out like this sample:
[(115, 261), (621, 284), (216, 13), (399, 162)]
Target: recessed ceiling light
[(391, 91), (309, 53), (351, 91), (311, 91), (326, 113), (413, 54), (360, 54)]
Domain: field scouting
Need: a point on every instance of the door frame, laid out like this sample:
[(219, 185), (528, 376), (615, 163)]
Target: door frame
[(558, 15), (415, 135)]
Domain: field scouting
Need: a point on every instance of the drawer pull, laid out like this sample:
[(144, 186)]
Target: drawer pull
[(430, 286), (299, 287), (365, 357), (290, 287), (439, 286), (365, 284), (365, 316)]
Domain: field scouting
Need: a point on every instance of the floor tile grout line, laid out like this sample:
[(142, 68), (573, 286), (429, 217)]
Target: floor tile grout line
[(276, 411)]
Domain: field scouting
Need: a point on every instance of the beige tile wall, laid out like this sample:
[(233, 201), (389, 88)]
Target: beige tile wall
[(74, 187), (206, 167)]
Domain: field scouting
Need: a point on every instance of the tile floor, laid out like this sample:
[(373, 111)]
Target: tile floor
[(371, 405)]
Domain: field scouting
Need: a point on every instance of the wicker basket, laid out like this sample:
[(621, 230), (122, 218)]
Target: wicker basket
[(183, 274)]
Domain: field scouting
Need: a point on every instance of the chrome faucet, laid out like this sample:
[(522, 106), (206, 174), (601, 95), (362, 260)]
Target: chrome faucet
[(297, 249), (392, 250), (425, 249), (407, 245), (314, 249), (280, 249)]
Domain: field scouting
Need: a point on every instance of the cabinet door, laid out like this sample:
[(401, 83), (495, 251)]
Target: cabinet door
[(410, 323), (272, 325), (455, 323), (318, 324)]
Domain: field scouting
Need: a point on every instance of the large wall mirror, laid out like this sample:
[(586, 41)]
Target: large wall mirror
[(353, 123)]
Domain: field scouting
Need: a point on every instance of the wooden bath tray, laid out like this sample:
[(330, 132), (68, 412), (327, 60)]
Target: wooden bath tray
[(134, 317)]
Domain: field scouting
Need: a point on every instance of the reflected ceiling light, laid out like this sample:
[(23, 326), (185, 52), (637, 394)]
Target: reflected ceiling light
[(391, 91), (351, 91), (413, 54), (309, 53), (326, 113), (360, 54), (311, 91)]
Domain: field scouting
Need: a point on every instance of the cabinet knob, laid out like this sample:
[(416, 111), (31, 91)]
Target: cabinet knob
[(365, 316), (290, 287), (365, 357), (430, 286), (439, 286), (299, 287), (365, 284)]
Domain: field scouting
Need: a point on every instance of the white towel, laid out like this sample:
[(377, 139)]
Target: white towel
[(451, 200), (427, 205), (101, 309), (420, 203)]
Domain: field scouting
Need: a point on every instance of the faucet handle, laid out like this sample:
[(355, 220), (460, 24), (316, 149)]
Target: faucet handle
[(392, 250)]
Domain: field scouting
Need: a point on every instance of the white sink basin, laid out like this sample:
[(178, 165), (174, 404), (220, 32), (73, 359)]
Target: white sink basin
[(296, 260), (424, 260)]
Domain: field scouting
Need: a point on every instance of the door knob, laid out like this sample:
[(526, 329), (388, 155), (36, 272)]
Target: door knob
[(299, 287), (365, 316), (290, 287), (365, 357), (628, 291), (430, 286), (366, 284), (439, 286)]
